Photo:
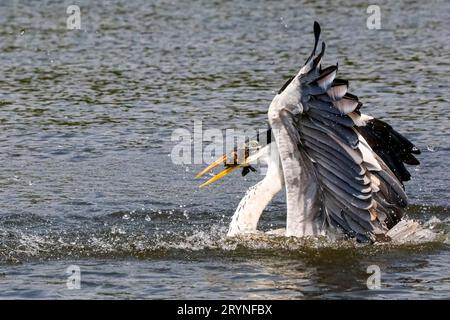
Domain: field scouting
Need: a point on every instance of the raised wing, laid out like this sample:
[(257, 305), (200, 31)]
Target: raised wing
[(391, 146), (318, 127)]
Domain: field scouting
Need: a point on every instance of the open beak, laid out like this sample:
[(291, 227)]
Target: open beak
[(230, 168), (219, 175), (212, 166), (222, 174)]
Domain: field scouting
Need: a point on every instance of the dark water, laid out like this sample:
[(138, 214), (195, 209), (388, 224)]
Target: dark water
[(86, 119)]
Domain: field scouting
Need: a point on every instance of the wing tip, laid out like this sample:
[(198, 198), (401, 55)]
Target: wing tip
[(317, 30)]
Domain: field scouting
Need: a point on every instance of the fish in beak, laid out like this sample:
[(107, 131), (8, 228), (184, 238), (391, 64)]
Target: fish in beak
[(231, 163)]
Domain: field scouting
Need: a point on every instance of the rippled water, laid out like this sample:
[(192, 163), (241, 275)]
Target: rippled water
[(86, 119)]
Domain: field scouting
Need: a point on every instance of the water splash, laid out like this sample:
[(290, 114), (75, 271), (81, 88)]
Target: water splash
[(164, 236)]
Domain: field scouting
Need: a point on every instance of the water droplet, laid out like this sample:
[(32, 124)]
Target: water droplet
[(431, 148), (22, 32), (117, 230), (126, 217)]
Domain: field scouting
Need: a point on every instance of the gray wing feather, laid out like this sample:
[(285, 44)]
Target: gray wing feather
[(355, 194)]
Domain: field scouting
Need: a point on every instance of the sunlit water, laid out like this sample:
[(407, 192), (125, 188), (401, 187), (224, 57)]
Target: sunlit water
[(86, 119)]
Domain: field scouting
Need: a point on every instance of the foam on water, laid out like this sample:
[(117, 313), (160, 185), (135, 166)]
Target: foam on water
[(116, 237)]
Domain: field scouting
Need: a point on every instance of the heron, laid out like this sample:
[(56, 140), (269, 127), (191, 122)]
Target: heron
[(343, 171)]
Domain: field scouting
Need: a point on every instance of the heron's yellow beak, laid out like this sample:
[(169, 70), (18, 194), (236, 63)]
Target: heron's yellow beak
[(212, 166), (222, 174), (219, 175), (230, 168)]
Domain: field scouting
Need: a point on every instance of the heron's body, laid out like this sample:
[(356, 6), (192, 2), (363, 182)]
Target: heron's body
[(342, 171)]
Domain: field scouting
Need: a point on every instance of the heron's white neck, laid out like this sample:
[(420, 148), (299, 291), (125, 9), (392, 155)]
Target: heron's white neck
[(250, 208)]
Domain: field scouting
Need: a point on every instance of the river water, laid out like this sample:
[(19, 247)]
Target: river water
[(87, 116)]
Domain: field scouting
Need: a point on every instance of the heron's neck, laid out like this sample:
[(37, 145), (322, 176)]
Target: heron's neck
[(250, 208)]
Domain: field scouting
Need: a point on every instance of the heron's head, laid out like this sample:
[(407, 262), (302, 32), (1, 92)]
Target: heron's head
[(242, 157)]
